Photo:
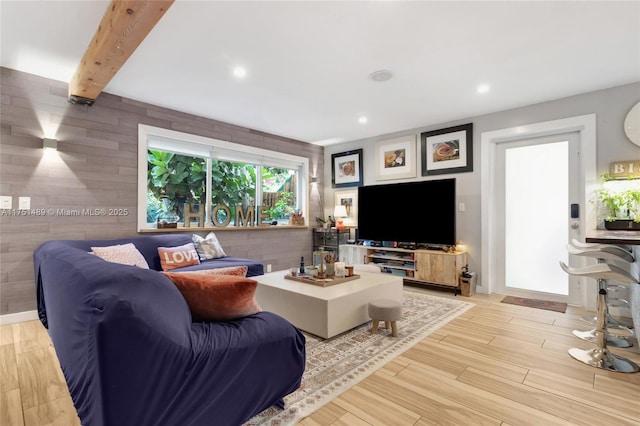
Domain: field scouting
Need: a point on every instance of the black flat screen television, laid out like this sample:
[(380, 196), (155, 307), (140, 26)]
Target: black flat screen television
[(413, 212)]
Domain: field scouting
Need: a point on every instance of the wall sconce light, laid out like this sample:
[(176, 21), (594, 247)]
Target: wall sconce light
[(51, 144), (314, 179)]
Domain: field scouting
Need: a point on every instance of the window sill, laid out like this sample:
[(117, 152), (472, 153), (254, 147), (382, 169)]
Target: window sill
[(221, 228)]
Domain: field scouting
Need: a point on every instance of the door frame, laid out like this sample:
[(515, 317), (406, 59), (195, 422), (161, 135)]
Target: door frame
[(572, 141), (585, 125)]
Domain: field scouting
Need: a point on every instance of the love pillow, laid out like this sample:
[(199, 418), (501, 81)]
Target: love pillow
[(177, 257)]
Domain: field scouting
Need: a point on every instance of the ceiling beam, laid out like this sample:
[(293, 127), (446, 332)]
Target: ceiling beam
[(123, 27)]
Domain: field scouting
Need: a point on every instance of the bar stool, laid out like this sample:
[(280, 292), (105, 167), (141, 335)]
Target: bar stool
[(604, 254), (600, 356), (607, 253), (581, 245)]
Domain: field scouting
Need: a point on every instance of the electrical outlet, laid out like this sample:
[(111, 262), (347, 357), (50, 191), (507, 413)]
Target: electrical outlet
[(5, 202), (24, 203), (461, 207), (269, 267)]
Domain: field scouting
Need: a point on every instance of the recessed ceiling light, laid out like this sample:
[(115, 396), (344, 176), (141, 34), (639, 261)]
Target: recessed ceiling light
[(483, 88), (362, 119), (382, 75), (240, 72)]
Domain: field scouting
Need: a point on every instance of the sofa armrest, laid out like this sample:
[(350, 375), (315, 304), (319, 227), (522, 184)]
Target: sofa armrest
[(232, 371)]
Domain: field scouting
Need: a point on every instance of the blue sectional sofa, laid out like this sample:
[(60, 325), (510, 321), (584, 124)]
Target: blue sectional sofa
[(131, 354)]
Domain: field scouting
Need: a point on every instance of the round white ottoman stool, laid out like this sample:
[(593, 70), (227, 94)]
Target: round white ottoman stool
[(387, 310)]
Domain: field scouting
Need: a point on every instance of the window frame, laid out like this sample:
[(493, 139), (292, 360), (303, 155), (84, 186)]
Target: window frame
[(213, 149)]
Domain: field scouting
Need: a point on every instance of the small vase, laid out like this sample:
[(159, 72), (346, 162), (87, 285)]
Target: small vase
[(330, 270)]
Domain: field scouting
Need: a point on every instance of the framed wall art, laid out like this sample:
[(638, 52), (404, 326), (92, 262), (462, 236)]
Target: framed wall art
[(348, 199), (346, 169), (447, 150), (396, 158)]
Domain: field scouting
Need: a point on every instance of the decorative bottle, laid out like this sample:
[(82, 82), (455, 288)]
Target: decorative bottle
[(301, 264)]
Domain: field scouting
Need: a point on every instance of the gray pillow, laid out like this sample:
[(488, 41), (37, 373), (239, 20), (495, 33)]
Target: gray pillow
[(208, 247)]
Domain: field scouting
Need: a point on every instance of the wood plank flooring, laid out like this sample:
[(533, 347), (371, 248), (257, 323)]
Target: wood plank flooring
[(496, 364)]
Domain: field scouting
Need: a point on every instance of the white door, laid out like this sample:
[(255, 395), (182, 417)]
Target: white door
[(537, 181)]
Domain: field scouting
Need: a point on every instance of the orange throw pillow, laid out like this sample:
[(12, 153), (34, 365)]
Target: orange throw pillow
[(177, 257), (239, 271), (216, 297)]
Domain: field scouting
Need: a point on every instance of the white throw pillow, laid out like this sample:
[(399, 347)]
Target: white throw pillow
[(208, 247), (126, 254)]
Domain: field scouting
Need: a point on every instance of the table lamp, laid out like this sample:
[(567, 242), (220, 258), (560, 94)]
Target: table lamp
[(340, 212)]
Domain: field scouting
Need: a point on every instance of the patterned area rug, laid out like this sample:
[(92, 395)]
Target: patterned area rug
[(536, 303), (334, 365)]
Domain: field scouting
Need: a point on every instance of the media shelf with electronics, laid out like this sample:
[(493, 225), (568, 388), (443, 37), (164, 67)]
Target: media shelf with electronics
[(417, 243), (425, 268), (429, 268), (397, 262)]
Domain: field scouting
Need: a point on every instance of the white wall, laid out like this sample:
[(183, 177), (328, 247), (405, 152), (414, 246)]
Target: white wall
[(610, 106)]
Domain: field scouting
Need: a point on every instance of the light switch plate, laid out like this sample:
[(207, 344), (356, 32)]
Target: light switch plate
[(24, 203), (5, 202), (461, 207)]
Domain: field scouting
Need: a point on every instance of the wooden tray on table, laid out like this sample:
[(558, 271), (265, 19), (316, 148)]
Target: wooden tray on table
[(322, 282)]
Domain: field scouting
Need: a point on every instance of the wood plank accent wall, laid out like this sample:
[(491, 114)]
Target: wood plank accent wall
[(96, 167)]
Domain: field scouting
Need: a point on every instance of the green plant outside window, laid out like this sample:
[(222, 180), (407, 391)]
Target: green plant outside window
[(172, 180), (175, 179)]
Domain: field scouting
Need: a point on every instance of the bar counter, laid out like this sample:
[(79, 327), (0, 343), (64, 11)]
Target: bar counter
[(632, 239), (603, 236)]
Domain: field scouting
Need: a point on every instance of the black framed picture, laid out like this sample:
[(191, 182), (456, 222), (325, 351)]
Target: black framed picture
[(346, 169), (447, 150)]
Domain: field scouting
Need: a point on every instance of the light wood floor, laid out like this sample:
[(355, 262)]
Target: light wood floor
[(497, 364)]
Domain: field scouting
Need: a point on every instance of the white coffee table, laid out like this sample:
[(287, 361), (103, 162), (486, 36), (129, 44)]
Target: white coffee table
[(325, 311)]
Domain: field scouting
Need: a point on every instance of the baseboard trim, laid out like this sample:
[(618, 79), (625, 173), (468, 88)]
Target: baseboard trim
[(18, 317)]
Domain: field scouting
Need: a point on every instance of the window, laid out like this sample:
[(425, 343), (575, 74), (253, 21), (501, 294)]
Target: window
[(191, 181)]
